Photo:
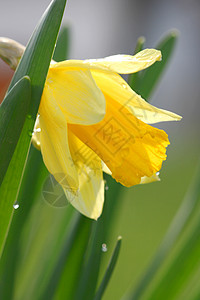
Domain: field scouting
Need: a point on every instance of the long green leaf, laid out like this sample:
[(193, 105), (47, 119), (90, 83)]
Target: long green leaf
[(76, 239), (34, 63), (13, 112), (74, 263), (134, 78), (9, 182), (109, 270), (62, 47), (88, 281), (32, 182), (40, 246), (150, 76)]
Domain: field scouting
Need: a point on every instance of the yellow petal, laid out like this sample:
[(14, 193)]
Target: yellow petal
[(126, 64), (77, 95), (106, 169), (130, 148), (54, 144), (116, 87), (153, 178), (123, 64), (90, 196)]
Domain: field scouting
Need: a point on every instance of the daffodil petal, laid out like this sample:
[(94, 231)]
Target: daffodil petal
[(116, 87), (130, 148), (106, 169), (90, 196), (123, 64), (155, 177), (54, 144), (126, 64), (77, 95)]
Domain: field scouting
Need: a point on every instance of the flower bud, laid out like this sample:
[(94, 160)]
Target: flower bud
[(11, 52)]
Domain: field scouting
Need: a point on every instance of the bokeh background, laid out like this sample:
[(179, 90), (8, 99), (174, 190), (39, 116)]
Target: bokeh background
[(102, 28)]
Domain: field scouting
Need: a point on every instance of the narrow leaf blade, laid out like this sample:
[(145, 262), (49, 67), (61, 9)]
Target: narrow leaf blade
[(62, 47), (150, 76), (34, 63), (134, 79), (13, 112), (109, 270), (33, 179), (78, 234)]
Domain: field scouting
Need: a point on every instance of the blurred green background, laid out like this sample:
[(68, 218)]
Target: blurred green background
[(102, 28)]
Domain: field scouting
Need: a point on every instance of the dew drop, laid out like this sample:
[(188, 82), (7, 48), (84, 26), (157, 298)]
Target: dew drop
[(106, 188), (124, 85), (16, 205), (104, 248), (37, 130)]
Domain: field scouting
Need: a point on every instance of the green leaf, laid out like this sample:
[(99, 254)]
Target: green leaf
[(33, 179), (34, 63), (134, 79), (10, 187), (88, 280), (11, 184), (74, 263), (70, 260), (62, 47), (151, 75), (109, 271), (13, 112)]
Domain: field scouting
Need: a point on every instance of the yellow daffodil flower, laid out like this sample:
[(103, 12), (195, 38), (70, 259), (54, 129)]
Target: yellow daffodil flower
[(88, 115), (90, 121)]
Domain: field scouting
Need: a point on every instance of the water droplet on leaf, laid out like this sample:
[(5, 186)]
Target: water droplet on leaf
[(16, 205), (104, 248), (37, 130)]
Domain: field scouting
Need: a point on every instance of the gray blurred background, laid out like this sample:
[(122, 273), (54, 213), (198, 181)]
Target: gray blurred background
[(106, 27)]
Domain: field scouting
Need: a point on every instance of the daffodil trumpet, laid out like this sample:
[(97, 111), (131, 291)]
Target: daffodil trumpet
[(90, 121)]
